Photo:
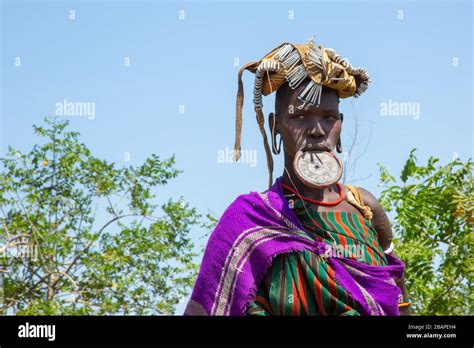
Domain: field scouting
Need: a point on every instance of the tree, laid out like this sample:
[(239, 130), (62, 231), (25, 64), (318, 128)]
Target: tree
[(356, 149), (55, 256), (433, 209)]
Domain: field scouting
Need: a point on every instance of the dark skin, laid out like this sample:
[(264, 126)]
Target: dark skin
[(320, 128)]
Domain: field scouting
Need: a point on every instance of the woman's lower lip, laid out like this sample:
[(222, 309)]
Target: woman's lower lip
[(316, 148)]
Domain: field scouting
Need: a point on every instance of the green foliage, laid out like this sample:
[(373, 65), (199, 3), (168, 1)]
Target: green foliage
[(57, 257), (433, 208)]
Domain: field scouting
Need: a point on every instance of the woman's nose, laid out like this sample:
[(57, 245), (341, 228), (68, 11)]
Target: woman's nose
[(316, 130)]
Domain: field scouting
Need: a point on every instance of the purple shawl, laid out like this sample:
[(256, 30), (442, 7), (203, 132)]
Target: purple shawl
[(256, 228)]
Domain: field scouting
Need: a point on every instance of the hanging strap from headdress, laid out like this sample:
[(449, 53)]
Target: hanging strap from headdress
[(238, 109), (261, 126)]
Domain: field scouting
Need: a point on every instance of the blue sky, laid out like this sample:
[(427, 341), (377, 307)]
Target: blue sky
[(177, 96)]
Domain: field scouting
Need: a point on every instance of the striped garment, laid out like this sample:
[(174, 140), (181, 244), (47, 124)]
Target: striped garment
[(303, 283)]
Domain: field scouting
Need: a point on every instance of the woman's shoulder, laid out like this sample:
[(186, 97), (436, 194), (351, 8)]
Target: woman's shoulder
[(380, 220), (367, 197)]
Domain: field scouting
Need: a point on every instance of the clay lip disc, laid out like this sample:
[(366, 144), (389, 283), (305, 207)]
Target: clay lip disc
[(318, 169)]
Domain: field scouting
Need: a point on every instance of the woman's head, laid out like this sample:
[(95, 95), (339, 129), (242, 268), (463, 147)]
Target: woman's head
[(308, 127), (318, 124)]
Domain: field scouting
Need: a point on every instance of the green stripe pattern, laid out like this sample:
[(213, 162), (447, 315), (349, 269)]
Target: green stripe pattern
[(303, 283)]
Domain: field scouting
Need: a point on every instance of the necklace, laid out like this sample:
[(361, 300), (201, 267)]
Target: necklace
[(327, 204)]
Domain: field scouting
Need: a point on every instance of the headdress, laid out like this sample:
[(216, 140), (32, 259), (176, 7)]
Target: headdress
[(292, 64)]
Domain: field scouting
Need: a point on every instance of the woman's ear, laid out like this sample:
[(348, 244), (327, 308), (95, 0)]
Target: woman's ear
[(339, 143), (339, 146), (272, 123), (272, 120)]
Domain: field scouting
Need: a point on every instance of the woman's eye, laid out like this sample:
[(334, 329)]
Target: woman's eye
[(298, 117)]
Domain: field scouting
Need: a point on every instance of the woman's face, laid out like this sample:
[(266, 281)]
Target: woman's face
[(309, 128)]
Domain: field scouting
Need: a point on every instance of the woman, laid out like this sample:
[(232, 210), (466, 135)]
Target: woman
[(302, 248)]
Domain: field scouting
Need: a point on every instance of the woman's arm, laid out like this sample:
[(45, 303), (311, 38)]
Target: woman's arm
[(381, 224)]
